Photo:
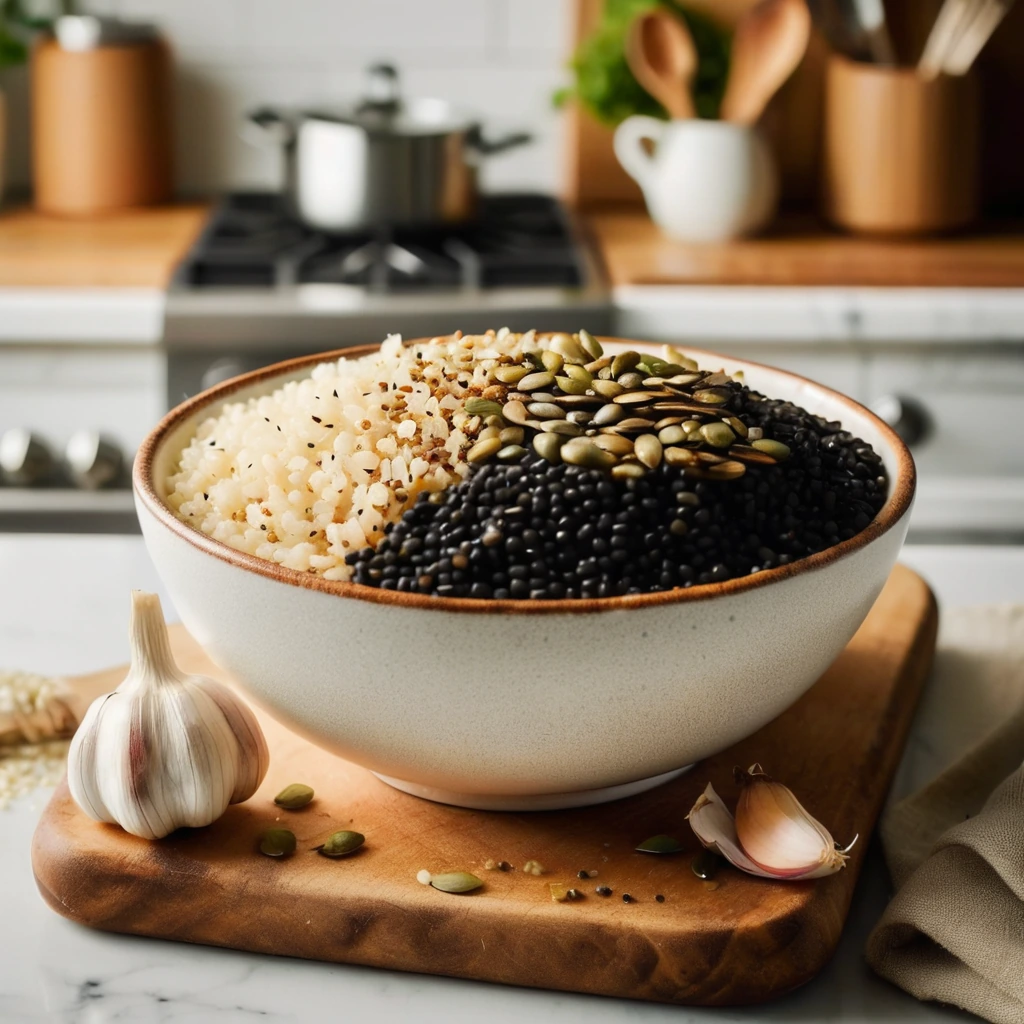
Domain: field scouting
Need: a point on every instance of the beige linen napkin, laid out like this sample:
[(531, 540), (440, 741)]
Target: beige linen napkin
[(954, 932)]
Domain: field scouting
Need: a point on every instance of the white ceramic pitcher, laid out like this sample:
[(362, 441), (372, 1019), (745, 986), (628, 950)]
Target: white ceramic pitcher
[(706, 181)]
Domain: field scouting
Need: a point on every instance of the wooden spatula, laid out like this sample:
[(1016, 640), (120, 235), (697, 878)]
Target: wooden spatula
[(663, 59), (769, 43)]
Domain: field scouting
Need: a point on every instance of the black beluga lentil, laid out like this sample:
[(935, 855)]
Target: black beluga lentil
[(530, 528)]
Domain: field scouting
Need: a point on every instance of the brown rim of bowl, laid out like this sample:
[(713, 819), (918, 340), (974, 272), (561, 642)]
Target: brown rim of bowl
[(892, 512)]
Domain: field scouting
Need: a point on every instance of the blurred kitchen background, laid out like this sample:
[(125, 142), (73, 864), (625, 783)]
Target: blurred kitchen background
[(156, 238)]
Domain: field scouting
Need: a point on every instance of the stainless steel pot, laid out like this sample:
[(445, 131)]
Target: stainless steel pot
[(385, 162)]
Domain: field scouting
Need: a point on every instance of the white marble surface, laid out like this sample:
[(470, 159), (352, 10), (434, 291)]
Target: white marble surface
[(63, 608)]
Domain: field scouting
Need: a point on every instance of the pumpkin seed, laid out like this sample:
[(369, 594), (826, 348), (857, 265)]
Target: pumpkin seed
[(488, 433), (660, 844), (776, 449), (482, 407), (533, 381), (599, 364), (680, 457), (737, 424), (564, 428), (680, 405), (511, 453), (718, 397), (628, 471), (455, 881), (512, 435), (671, 435), (636, 398), (747, 454), (580, 373), (292, 797), (624, 362), (632, 381), (546, 411), (341, 844), (571, 386), (668, 421), (548, 446), (590, 344), (681, 380), (728, 470), (648, 450), (277, 842), (552, 360), (605, 373), (608, 414), (716, 379), (710, 458), (483, 450), (634, 423), (580, 451), (568, 349), (691, 426), (705, 865), (587, 401), (614, 443), (511, 374), (515, 412), (718, 434), (606, 388), (580, 416)]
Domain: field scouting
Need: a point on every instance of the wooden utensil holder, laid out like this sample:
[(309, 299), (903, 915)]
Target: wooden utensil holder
[(900, 153), (101, 127)]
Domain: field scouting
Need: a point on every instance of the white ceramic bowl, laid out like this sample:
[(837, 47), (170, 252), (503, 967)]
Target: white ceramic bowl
[(522, 704)]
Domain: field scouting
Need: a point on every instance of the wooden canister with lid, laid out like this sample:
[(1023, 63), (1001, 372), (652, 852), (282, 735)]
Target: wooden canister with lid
[(101, 127)]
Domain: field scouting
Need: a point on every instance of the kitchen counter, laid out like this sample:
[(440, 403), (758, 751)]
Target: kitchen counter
[(68, 613), (127, 249), (98, 280), (802, 284)]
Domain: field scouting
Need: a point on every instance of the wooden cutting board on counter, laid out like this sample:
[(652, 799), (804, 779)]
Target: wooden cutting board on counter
[(735, 940)]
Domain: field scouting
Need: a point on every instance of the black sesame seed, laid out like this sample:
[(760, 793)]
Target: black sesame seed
[(626, 898), (660, 898), (603, 890)]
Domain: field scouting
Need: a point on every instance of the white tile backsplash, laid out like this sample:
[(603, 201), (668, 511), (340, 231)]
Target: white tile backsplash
[(500, 59)]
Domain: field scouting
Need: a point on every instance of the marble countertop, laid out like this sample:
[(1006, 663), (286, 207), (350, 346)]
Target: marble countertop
[(63, 609)]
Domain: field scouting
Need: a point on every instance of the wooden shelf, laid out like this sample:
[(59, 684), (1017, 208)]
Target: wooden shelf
[(800, 251), (128, 249)]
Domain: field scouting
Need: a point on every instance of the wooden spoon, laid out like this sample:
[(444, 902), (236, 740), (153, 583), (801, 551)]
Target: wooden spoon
[(663, 59), (769, 43)]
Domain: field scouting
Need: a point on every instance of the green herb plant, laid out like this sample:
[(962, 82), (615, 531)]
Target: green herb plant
[(605, 86), (18, 21)]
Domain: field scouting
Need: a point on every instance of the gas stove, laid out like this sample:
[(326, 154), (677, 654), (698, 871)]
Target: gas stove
[(257, 281)]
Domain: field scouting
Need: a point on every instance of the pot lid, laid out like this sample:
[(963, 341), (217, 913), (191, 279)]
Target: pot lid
[(383, 111)]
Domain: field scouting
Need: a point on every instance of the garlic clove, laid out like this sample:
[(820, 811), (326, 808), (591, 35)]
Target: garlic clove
[(715, 827), (779, 834), (778, 838), (165, 749)]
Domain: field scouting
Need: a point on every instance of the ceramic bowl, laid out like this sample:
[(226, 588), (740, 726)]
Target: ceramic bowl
[(521, 704)]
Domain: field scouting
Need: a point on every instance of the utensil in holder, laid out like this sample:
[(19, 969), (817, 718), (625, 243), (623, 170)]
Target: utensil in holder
[(101, 127), (900, 152)]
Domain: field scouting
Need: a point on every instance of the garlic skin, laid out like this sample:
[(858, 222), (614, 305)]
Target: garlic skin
[(772, 835), (165, 749)]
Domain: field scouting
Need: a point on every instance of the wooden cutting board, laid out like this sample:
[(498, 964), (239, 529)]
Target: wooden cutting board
[(734, 940)]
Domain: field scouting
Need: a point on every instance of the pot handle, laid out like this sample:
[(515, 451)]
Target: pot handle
[(628, 145), (488, 147), (266, 126)]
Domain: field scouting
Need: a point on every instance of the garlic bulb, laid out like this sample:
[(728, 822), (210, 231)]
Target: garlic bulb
[(164, 749), (772, 835)]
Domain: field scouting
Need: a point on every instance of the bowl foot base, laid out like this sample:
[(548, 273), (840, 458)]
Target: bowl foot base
[(540, 802)]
